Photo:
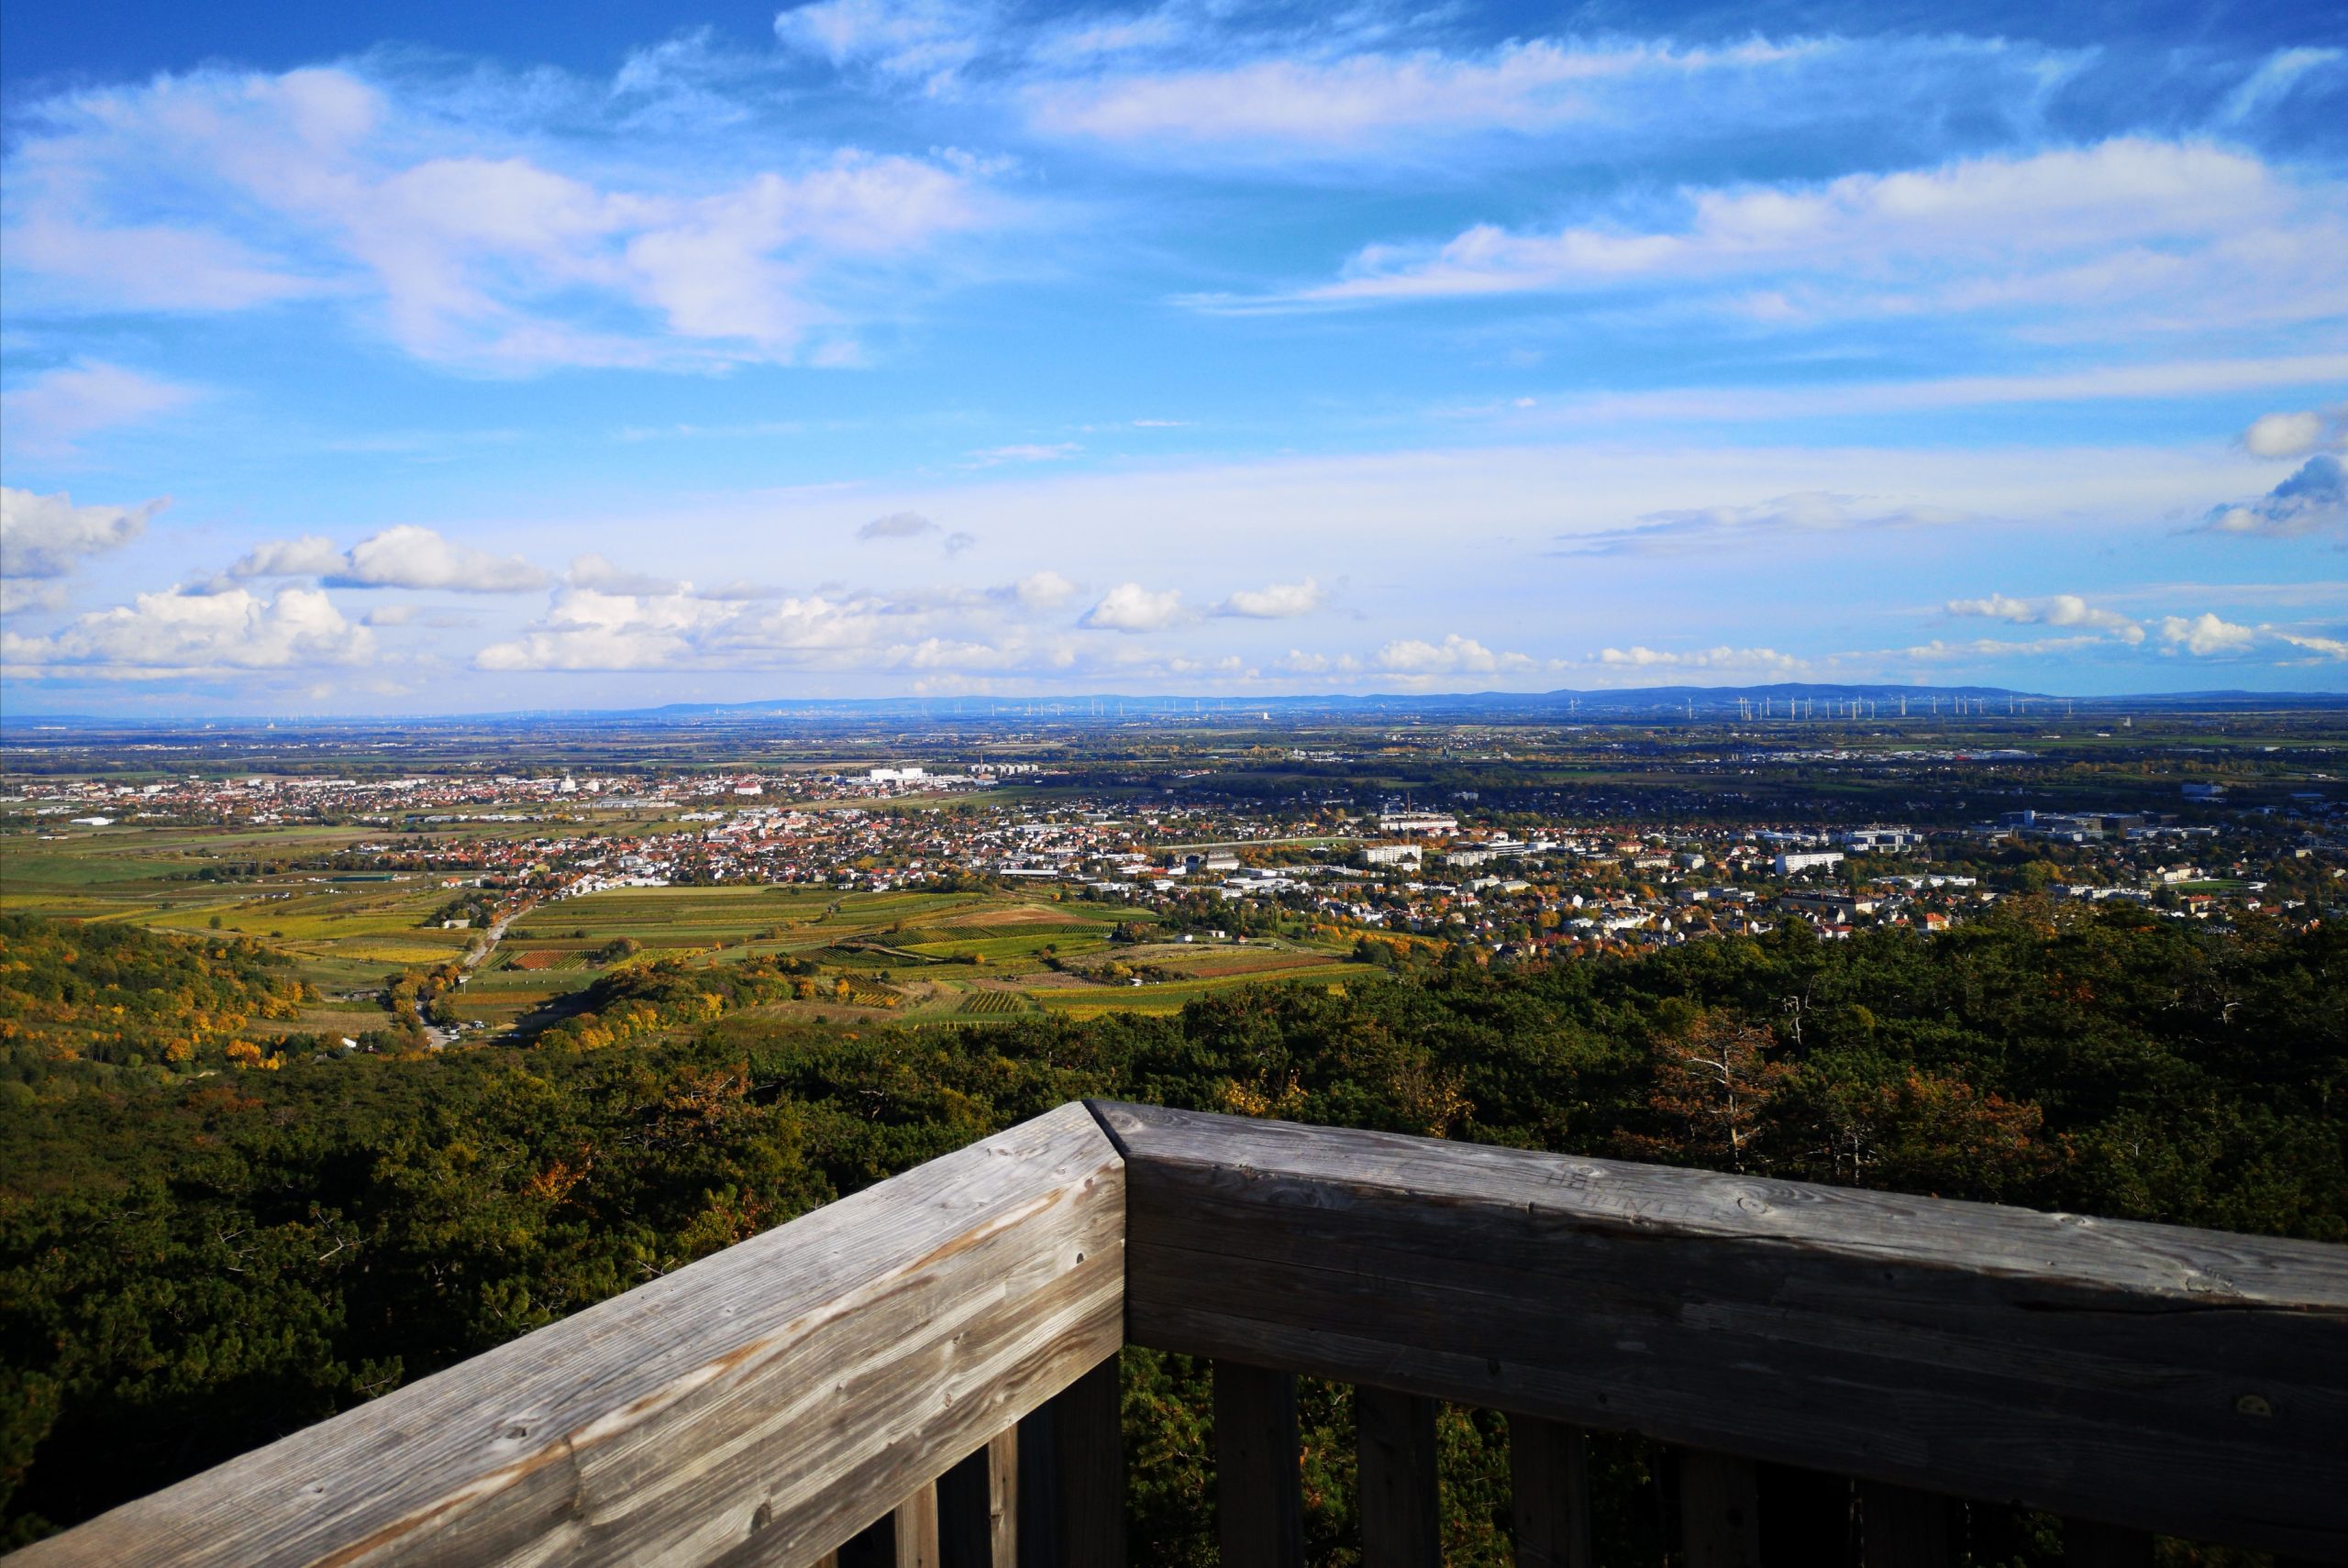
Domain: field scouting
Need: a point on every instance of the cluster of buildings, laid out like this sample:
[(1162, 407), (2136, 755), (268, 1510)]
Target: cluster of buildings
[(1465, 875)]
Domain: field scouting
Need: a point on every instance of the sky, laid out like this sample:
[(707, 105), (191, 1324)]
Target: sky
[(439, 358)]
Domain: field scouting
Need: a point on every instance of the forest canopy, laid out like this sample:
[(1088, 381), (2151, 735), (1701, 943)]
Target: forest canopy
[(195, 1260)]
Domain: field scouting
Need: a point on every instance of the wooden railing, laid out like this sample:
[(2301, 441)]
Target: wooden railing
[(925, 1373)]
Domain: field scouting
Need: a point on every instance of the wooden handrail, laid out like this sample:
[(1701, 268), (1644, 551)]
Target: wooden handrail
[(760, 1405), (766, 1405), (2190, 1382)]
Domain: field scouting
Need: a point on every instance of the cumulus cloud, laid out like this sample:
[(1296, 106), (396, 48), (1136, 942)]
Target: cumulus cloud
[(2312, 501), (48, 536), (407, 556), (1641, 657), (179, 633), (50, 415), (587, 629), (309, 556), (2057, 610), (497, 239), (897, 526), (1275, 601), (594, 572), (1130, 607), (2205, 634), (1454, 655), (1042, 590), (2297, 432)]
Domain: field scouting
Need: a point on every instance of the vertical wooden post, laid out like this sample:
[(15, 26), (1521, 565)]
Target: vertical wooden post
[(916, 1527), (978, 1504), (1720, 1510), (1259, 1497), (1549, 1472), (2086, 1544), (1091, 1518), (1401, 1517), (1039, 1487), (1902, 1528)]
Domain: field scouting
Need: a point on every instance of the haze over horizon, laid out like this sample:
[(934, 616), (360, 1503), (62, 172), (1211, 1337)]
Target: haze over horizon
[(408, 360)]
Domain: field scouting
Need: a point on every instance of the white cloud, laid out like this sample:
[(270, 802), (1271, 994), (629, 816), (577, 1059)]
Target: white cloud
[(182, 633), (1042, 591), (2326, 648), (495, 237), (2205, 634), (2312, 501), (1810, 511), (923, 39), (2172, 234), (1454, 655), (1276, 601), (1028, 452), (1332, 102), (1130, 607), (2057, 610), (48, 535), (48, 415), (594, 572), (587, 629), (2283, 434), (407, 556), (1639, 656), (309, 556), (1938, 651), (897, 526)]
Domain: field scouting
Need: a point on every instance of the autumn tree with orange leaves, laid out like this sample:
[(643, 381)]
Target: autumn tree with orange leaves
[(1713, 1080)]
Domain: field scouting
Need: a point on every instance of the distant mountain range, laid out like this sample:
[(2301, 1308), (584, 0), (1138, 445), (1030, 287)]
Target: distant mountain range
[(1651, 703)]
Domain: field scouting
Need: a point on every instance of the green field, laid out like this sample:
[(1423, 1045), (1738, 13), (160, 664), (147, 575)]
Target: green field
[(960, 957)]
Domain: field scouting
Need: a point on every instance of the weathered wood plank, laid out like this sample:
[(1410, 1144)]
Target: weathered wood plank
[(1402, 1510), (1548, 1465), (1072, 1477), (1902, 1528), (977, 1525), (757, 1407), (916, 1528), (1260, 1495), (1720, 1511), (2189, 1381)]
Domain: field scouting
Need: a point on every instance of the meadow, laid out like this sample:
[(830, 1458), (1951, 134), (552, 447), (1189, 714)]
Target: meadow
[(954, 959)]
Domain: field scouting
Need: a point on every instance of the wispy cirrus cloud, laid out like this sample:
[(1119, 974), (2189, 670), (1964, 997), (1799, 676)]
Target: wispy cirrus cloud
[(478, 230), (2167, 232), (51, 413)]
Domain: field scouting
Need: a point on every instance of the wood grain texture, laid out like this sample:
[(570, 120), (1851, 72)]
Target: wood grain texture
[(1720, 1511), (1548, 1464), (1402, 1507), (757, 1407), (2192, 1382), (916, 1528), (1088, 1470), (1259, 1491)]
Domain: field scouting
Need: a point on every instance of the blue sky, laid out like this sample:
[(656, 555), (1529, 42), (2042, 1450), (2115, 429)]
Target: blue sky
[(421, 359)]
